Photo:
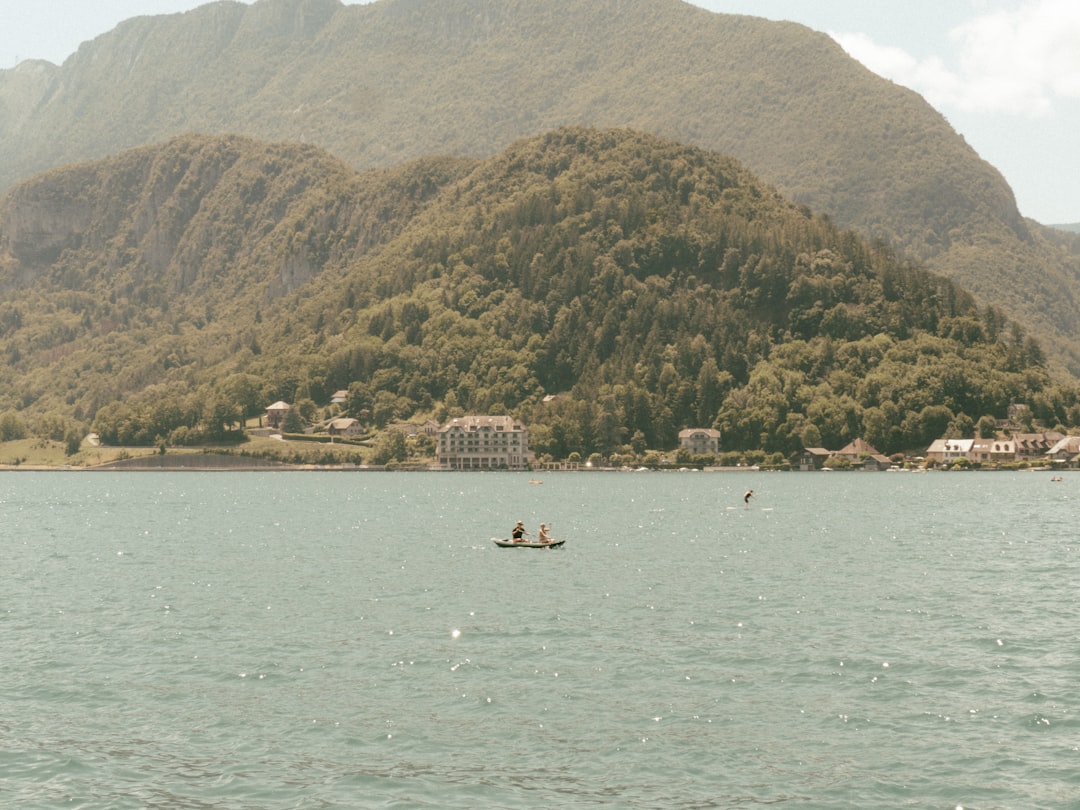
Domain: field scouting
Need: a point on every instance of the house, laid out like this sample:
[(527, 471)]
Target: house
[(345, 426), (857, 450), (878, 463), (700, 441), (1035, 446), (276, 413), (484, 443), (1065, 451), (811, 458), (992, 451), (945, 451), (339, 397)]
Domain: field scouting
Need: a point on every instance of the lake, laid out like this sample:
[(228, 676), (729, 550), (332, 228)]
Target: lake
[(342, 640)]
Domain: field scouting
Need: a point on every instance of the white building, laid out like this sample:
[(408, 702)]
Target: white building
[(945, 451), (700, 441), (484, 443)]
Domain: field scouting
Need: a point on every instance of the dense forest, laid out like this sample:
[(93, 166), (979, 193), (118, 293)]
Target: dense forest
[(381, 83), (606, 286)]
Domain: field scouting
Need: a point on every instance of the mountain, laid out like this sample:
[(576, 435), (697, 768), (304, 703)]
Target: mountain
[(394, 80), (169, 291)]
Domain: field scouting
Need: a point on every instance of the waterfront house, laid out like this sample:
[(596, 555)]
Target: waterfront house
[(946, 451), (857, 450), (992, 451), (811, 458), (1065, 451), (877, 463), (1035, 446)]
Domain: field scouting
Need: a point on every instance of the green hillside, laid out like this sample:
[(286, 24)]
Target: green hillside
[(170, 292), (395, 80)]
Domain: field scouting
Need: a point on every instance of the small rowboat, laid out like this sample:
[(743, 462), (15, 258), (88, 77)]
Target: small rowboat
[(504, 543)]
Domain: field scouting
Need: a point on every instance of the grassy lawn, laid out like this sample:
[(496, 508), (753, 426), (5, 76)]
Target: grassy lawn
[(43, 453), (35, 453)]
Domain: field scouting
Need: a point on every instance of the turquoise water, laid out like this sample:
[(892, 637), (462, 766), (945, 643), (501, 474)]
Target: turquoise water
[(340, 640)]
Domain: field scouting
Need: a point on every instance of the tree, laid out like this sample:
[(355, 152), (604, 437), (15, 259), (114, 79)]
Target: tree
[(220, 416), (12, 427), (244, 391), (961, 427), (72, 441), (390, 446), (987, 427), (292, 423)]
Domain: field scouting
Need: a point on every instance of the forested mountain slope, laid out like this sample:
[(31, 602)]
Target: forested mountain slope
[(166, 292), (393, 80)]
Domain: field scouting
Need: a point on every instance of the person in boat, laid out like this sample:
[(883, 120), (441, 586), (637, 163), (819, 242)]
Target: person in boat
[(543, 535), (518, 534), (746, 498)]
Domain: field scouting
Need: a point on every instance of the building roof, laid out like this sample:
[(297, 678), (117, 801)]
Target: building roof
[(688, 432), (279, 406), (994, 445), (1036, 442), (859, 447), (1067, 444), (480, 422), (950, 446)]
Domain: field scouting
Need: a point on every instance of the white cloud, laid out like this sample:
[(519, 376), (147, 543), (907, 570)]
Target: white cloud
[(1015, 62)]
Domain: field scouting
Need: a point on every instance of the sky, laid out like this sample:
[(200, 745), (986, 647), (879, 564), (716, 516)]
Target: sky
[(1005, 73)]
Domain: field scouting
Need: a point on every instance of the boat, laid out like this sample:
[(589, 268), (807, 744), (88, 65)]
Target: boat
[(502, 542)]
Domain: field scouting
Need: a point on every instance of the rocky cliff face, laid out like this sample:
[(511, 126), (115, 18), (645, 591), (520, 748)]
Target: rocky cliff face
[(39, 221)]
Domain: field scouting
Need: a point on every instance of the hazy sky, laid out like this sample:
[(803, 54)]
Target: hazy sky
[(1006, 73)]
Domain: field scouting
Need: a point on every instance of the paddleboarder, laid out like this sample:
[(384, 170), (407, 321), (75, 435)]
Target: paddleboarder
[(746, 498)]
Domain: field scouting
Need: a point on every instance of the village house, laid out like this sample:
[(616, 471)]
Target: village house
[(1035, 446), (484, 443), (877, 463), (1065, 451), (811, 458), (992, 451), (857, 451), (339, 397), (700, 441), (344, 426), (276, 413), (946, 451)]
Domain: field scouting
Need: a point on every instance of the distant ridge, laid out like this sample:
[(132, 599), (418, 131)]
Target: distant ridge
[(394, 80)]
